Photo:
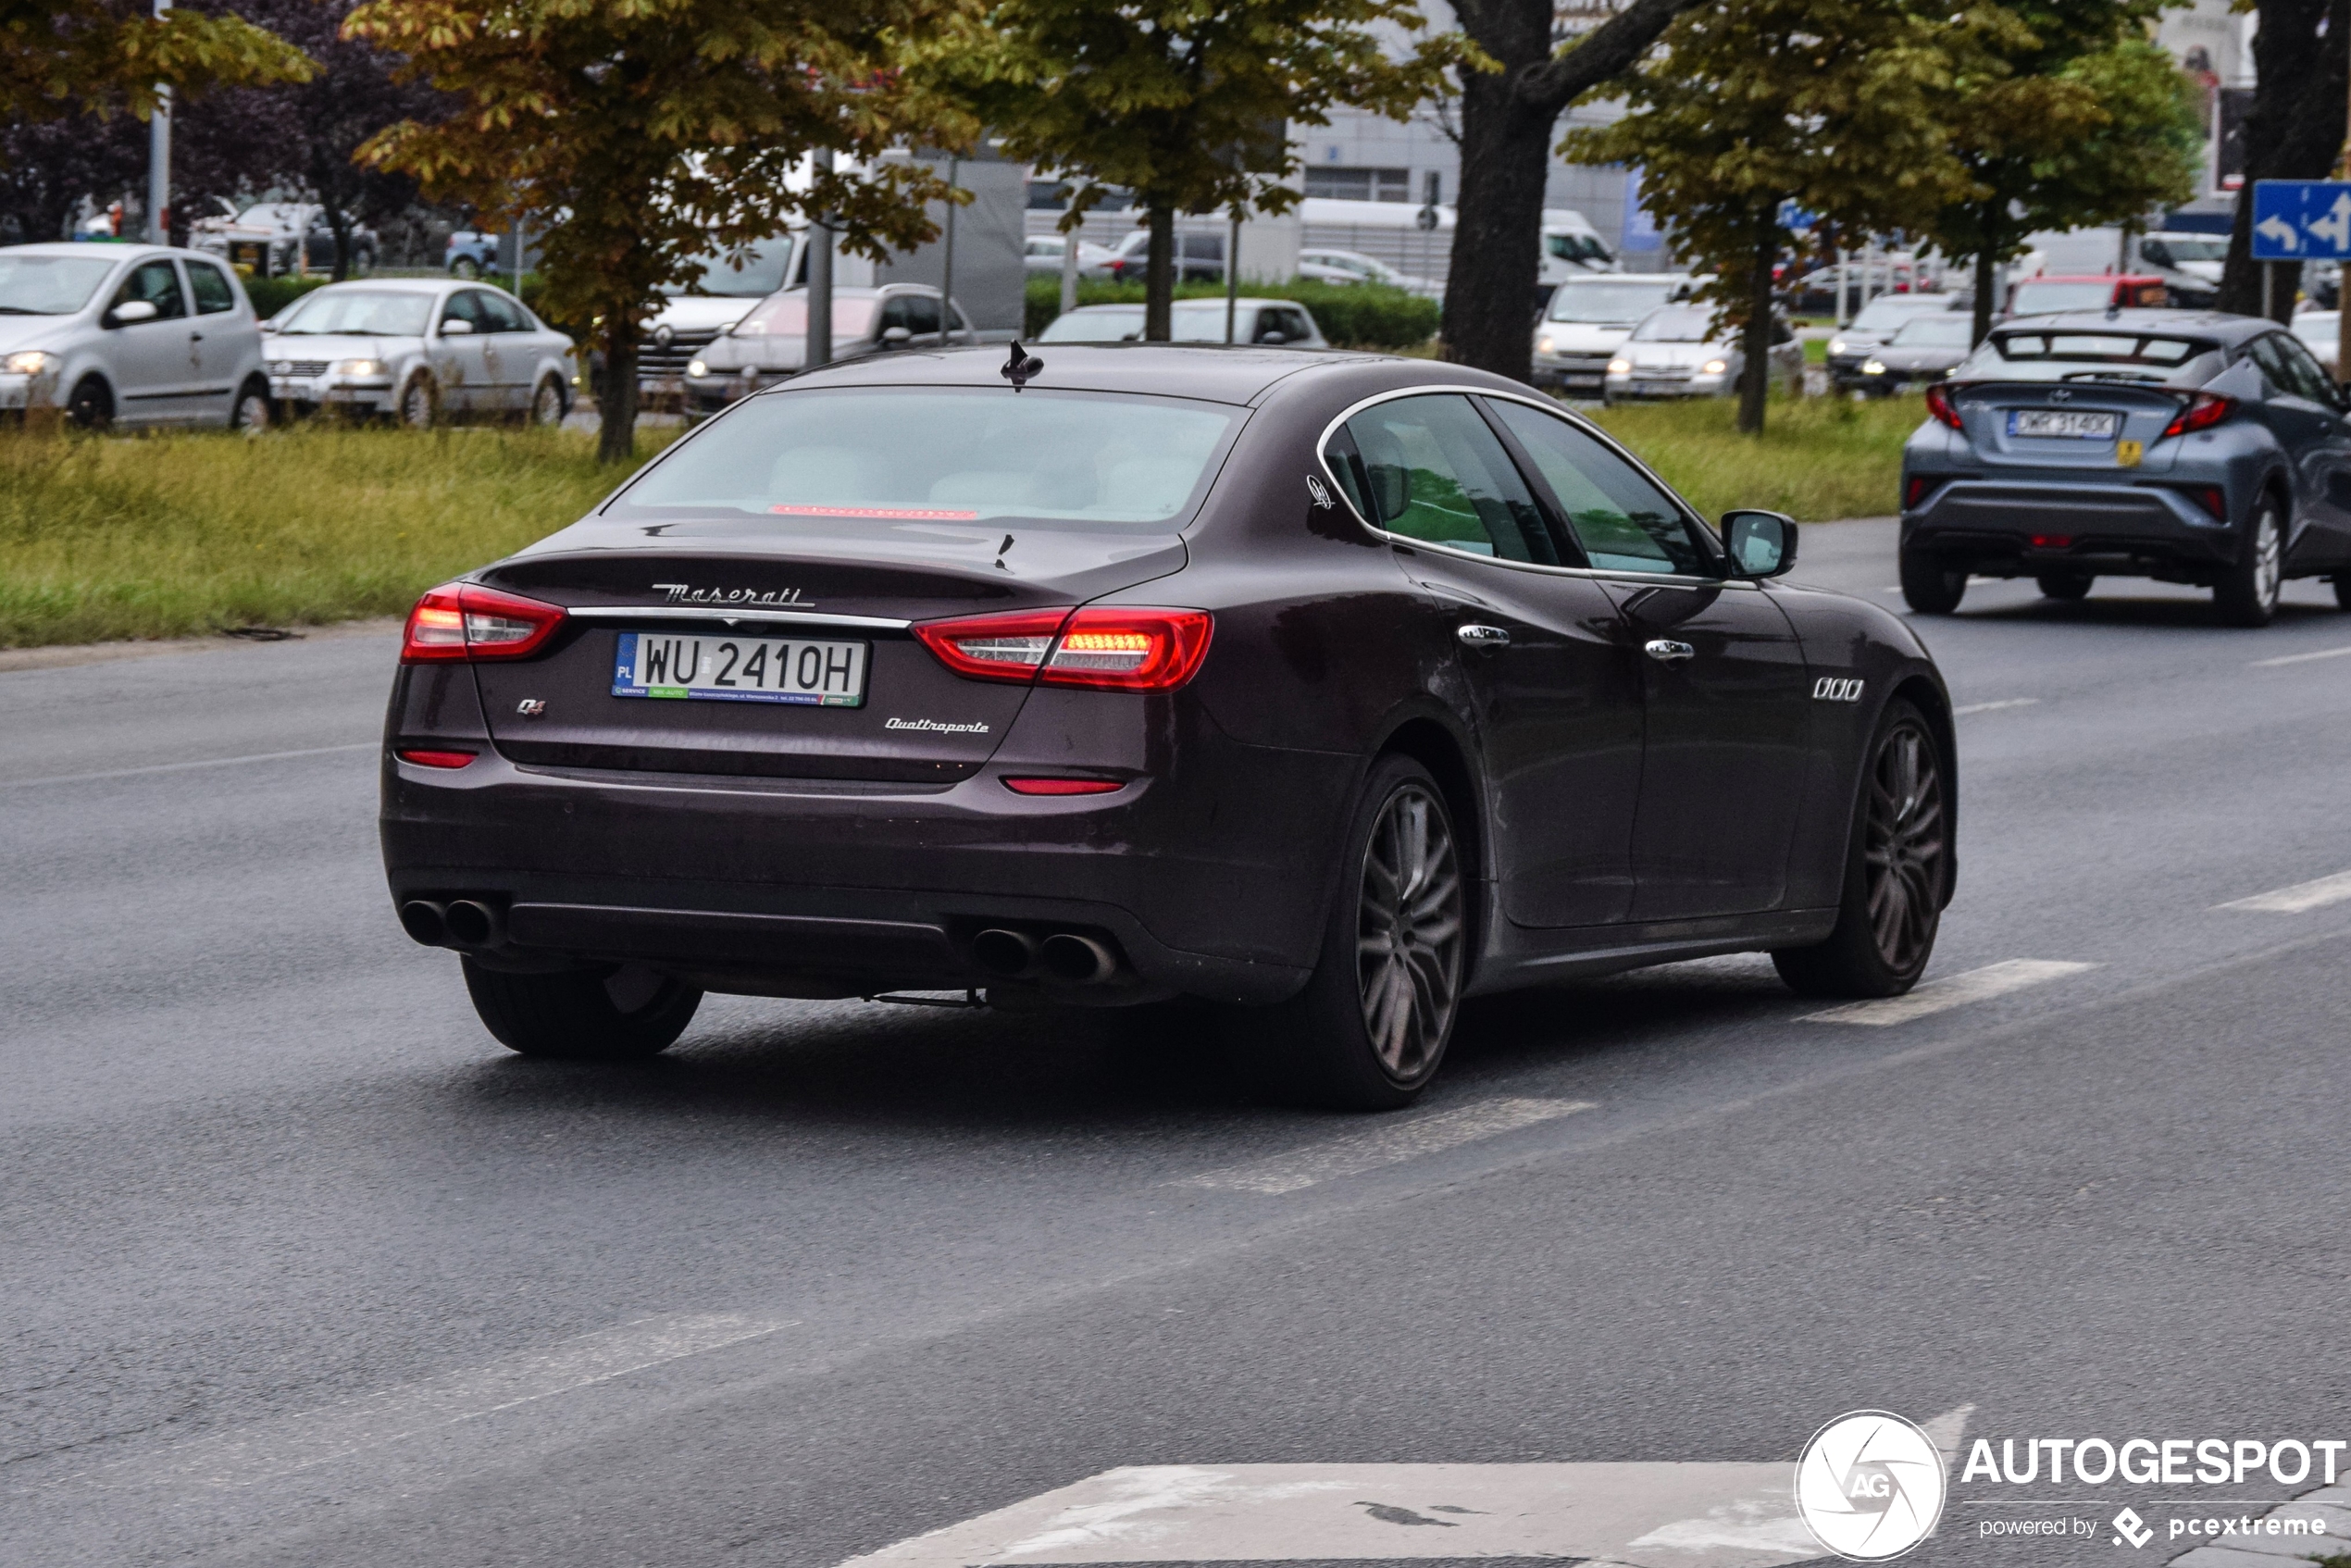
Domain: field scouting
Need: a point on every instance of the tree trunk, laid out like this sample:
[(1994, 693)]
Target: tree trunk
[(338, 225), (1159, 275), (2295, 129), (1498, 236), (616, 403), (1986, 272), (1755, 374)]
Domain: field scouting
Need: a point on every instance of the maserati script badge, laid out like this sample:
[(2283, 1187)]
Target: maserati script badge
[(739, 598)]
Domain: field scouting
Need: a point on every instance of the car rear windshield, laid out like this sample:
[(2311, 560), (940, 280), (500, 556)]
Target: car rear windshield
[(1683, 324), (49, 285), (1608, 304), (786, 315), (382, 312), (894, 455), (2091, 356)]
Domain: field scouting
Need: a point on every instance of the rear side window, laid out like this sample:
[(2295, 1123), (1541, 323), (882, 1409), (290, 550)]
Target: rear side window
[(1429, 469), (1623, 522), (210, 287), (2291, 369)]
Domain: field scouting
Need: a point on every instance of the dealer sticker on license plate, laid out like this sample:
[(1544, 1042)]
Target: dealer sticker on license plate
[(739, 669), (2063, 423)]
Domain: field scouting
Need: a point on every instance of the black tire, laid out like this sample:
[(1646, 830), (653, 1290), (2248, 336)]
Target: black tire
[(578, 1015), (1369, 1029), (252, 411), (419, 406), (1928, 586), (1898, 870), (91, 405), (548, 404), (2068, 587), (2248, 591)]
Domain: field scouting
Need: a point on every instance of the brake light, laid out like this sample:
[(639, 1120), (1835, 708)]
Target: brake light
[(466, 621), (1939, 404), (2204, 410), (436, 759), (1064, 786), (1106, 647)]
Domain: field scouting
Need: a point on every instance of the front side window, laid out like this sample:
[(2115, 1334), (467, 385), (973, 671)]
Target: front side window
[(1623, 521), (1429, 469), (466, 306), (210, 287), (845, 456), (157, 283), (499, 314)]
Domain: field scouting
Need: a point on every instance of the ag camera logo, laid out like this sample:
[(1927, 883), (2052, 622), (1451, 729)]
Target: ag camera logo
[(1870, 1486)]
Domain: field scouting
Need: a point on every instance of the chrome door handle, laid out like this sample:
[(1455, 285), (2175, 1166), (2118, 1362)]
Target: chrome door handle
[(1476, 636), (1665, 650)]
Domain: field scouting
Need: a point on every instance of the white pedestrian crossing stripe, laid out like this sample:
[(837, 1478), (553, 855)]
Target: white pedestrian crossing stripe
[(2299, 898), (1957, 990), (1384, 1143)]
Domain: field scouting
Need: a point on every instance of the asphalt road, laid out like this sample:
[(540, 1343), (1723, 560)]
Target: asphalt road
[(297, 1266)]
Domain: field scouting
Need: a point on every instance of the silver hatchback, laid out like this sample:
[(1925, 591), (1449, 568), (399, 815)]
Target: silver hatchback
[(127, 335)]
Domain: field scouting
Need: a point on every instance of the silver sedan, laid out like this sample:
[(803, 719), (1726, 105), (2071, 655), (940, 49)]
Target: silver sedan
[(418, 350)]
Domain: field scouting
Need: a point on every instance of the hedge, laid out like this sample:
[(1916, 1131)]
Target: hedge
[(270, 296), (1351, 315)]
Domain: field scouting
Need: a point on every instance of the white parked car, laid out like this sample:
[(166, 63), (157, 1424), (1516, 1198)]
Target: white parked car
[(1354, 266), (127, 335), (771, 343), (1044, 254), (1191, 321), (1587, 321), (2319, 331), (1677, 351), (418, 349)]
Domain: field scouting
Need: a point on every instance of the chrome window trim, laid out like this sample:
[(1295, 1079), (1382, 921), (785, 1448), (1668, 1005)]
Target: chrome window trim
[(1654, 579), (731, 616)]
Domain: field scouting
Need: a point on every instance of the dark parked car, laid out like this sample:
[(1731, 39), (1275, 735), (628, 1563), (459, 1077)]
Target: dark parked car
[(2200, 449), (1851, 346), (1922, 351), (1326, 688)]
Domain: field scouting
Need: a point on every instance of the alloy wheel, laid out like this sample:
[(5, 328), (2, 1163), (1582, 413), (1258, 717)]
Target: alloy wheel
[(547, 405), (416, 405), (1408, 934), (1904, 848), (253, 413), (2268, 557)]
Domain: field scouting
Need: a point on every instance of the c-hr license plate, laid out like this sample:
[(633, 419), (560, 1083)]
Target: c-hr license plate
[(2064, 423)]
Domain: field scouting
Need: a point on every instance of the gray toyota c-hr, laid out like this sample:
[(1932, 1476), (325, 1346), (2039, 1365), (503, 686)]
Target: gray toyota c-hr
[(2187, 447)]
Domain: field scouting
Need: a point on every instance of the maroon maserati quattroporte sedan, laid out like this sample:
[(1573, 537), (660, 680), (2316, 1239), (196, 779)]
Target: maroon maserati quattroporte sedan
[(1328, 689)]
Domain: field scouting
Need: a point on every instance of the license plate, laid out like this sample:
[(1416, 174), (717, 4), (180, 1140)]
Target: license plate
[(2063, 423), (739, 669)]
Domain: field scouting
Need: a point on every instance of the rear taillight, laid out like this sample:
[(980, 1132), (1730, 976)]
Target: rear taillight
[(465, 620), (2204, 410), (1938, 404), (1108, 647)]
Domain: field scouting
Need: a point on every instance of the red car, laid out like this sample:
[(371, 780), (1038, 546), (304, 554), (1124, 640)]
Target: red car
[(2043, 296)]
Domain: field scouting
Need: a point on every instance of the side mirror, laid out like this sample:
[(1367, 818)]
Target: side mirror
[(456, 327), (128, 311), (896, 337), (1760, 543), (1274, 337)]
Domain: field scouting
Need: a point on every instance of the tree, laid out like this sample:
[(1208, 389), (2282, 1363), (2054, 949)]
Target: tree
[(1750, 110), (642, 132), (2063, 116), (1185, 102), (48, 166), (1507, 113), (2301, 53), (63, 58)]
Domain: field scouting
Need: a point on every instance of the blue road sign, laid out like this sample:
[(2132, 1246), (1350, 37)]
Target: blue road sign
[(2302, 220)]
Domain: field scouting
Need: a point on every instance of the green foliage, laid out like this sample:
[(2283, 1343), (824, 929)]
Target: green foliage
[(1369, 316), (170, 536), (1825, 458), (658, 127), (1191, 103), (270, 296), (61, 57)]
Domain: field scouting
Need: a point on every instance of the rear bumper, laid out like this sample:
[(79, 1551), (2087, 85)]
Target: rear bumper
[(2123, 529), (805, 887)]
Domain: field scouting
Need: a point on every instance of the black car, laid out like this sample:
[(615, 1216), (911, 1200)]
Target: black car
[(2188, 447), (1922, 351), (1330, 689)]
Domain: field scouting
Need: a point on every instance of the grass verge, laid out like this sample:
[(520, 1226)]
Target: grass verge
[(1817, 458), (170, 536)]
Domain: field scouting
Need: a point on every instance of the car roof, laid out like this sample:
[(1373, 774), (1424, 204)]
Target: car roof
[(2091, 278), (1212, 372), (408, 285), (1136, 307), (1590, 278), (2155, 323), (94, 247)]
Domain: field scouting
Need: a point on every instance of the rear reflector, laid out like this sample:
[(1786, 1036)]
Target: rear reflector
[(2052, 541), (1113, 648), (2211, 498), (2204, 410), (436, 759), (465, 621), (1916, 491), (1064, 785)]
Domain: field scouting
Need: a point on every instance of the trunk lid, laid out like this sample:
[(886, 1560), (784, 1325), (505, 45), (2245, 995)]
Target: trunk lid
[(2141, 413), (692, 589)]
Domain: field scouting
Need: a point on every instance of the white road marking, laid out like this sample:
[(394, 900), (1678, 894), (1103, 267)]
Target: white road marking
[(2296, 900), (1989, 707), (183, 766), (1956, 991), (1384, 1144), (1700, 1515), (2299, 658), (297, 1442)]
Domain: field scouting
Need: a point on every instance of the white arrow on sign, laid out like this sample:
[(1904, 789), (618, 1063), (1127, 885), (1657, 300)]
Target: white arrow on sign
[(2336, 227), (2279, 229), (1612, 1515)]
